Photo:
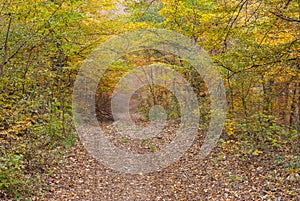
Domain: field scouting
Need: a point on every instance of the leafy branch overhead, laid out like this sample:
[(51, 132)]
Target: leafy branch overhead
[(255, 46)]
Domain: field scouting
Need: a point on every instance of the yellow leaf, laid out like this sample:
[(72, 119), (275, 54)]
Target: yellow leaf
[(256, 152)]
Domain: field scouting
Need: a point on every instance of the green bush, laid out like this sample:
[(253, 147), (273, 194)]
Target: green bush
[(262, 131), (11, 174)]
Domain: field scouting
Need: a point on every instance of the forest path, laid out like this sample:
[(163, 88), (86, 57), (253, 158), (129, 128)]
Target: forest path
[(223, 175)]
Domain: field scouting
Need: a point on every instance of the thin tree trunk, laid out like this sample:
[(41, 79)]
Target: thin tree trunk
[(5, 46)]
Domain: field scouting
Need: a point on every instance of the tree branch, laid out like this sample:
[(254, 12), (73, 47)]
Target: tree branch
[(289, 19), (230, 26)]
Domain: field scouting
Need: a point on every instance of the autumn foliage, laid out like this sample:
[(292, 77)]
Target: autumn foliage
[(254, 44)]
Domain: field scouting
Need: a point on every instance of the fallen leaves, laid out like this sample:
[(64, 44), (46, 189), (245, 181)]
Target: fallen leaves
[(224, 175)]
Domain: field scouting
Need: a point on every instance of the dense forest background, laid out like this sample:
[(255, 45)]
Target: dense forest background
[(254, 43)]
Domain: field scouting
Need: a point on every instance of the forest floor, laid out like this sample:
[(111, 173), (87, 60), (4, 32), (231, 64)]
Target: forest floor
[(225, 174)]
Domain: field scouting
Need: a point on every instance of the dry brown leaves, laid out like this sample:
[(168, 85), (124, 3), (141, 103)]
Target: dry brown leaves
[(224, 175)]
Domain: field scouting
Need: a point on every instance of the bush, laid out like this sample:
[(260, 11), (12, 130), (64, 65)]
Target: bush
[(11, 174), (262, 131)]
